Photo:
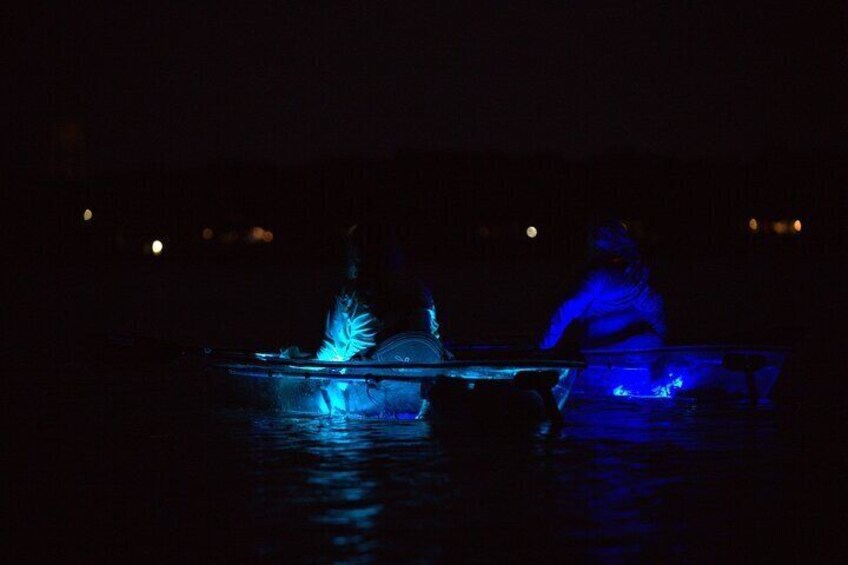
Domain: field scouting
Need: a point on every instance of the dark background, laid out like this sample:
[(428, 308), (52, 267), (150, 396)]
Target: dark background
[(466, 123), (288, 83)]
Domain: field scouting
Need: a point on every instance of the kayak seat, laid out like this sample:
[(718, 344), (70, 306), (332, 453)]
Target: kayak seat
[(408, 347)]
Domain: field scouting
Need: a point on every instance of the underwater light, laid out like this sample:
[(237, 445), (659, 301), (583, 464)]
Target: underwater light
[(666, 391), (620, 391)]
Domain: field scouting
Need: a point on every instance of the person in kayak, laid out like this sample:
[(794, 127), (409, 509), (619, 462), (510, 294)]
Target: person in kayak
[(383, 312), (614, 305)]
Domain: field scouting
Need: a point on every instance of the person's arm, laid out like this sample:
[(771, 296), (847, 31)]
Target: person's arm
[(571, 309), (431, 315), (350, 329)]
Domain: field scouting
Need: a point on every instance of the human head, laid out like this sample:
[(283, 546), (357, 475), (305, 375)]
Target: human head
[(611, 239), (372, 248)]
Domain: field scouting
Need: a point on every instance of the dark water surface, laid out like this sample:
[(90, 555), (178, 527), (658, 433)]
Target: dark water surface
[(145, 465)]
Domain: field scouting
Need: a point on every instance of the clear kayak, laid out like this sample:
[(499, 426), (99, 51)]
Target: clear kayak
[(700, 371), (528, 389), (694, 371)]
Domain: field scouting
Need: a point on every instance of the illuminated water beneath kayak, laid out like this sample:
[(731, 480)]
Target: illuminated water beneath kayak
[(113, 467)]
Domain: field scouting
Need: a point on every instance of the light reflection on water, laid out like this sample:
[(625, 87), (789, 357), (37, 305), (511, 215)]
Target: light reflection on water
[(624, 478), (134, 473)]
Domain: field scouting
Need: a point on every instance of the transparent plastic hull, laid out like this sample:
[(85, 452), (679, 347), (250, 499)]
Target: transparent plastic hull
[(695, 371), (409, 391)]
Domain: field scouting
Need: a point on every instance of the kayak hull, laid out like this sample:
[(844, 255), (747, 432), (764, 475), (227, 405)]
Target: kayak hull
[(433, 391), (692, 371)]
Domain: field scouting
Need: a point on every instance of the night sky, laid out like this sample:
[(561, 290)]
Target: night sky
[(288, 83)]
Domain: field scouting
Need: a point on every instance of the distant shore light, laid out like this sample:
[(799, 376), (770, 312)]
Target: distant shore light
[(796, 225), (208, 234), (256, 234), (532, 232), (267, 236), (87, 215), (780, 227), (753, 224), (157, 247)]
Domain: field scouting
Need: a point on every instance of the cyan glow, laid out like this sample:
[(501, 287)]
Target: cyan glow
[(636, 388), (325, 405), (331, 398), (361, 398), (620, 391), (371, 390), (665, 391), (350, 329), (434, 324)]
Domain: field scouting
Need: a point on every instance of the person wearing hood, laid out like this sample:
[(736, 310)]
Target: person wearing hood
[(614, 306)]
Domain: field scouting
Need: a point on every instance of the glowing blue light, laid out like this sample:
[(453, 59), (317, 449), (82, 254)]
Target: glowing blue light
[(324, 402), (268, 356), (666, 390), (620, 391), (350, 329), (434, 324), (663, 391)]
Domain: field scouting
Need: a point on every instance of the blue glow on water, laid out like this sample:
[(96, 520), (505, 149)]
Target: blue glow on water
[(618, 483)]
